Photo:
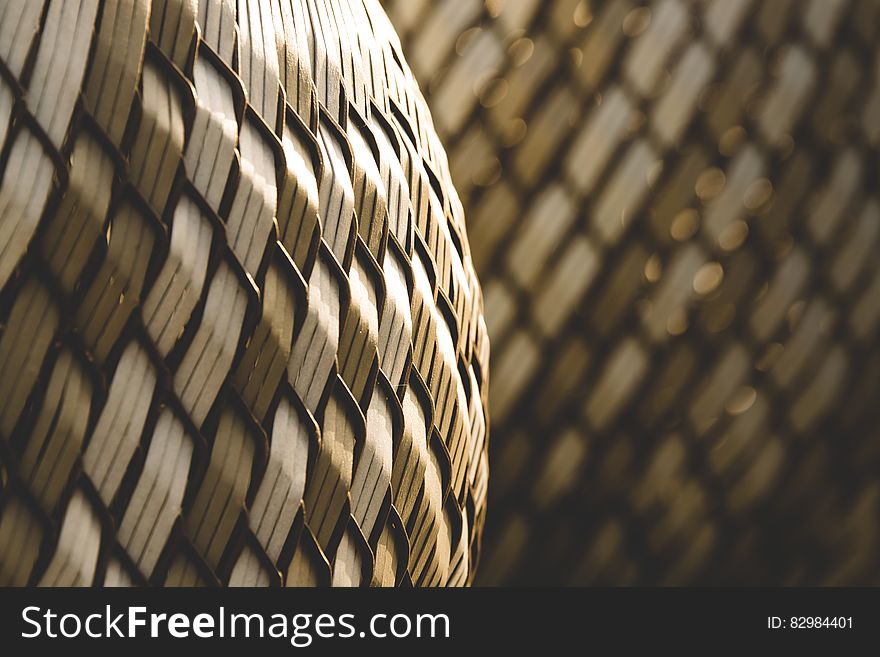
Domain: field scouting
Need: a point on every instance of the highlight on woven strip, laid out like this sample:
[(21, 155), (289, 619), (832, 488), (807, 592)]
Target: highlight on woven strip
[(241, 337), (674, 209)]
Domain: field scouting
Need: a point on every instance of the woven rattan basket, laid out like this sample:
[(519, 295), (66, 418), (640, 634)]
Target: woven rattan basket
[(674, 209), (241, 338)]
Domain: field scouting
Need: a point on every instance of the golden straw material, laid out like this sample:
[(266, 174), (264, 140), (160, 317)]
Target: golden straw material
[(241, 337), (674, 207)]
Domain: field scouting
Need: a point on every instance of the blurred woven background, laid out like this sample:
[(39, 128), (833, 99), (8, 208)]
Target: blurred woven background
[(673, 208)]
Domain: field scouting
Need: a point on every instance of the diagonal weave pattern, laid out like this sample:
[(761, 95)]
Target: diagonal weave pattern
[(674, 211), (241, 338)]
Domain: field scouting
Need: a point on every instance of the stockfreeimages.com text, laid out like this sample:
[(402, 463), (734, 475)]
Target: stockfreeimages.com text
[(299, 629)]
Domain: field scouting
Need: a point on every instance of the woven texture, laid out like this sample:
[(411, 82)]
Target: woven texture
[(674, 211), (241, 338)]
